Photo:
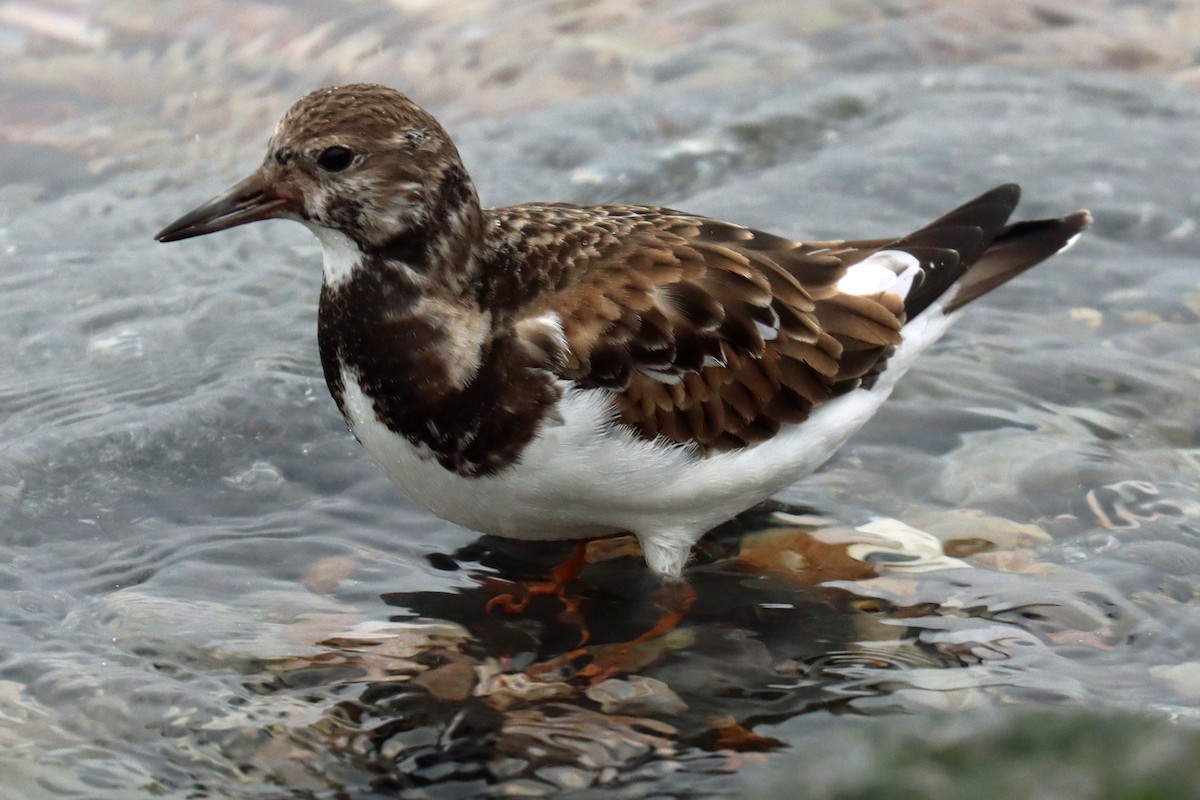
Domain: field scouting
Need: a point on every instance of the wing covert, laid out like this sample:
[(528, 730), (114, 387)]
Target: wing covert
[(706, 333)]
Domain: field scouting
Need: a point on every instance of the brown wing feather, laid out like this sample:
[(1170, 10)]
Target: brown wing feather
[(707, 333), (712, 334)]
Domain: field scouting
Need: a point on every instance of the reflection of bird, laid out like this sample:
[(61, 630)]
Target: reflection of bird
[(559, 372)]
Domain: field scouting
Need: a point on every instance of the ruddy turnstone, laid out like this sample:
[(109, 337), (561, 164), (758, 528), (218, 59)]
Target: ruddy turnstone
[(554, 371)]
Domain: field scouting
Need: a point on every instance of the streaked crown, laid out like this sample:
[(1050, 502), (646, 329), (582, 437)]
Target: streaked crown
[(367, 161)]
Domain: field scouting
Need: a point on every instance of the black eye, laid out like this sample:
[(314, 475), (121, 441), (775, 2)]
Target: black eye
[(335, 158)]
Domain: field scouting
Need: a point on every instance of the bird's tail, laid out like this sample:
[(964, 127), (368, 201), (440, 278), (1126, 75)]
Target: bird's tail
[(973, 249), (1017, 248)]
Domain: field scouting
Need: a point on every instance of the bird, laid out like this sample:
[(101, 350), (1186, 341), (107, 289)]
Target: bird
[(551, 371)]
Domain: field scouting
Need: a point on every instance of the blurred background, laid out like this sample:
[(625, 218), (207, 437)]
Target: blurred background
[(206, 590)]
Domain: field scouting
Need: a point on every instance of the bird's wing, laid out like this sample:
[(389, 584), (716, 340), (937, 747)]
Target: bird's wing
[(712, 334)]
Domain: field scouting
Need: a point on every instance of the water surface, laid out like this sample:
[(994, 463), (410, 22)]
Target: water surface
[(208, 591)]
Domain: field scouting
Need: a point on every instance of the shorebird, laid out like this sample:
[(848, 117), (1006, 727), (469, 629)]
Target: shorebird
[(556, 371)]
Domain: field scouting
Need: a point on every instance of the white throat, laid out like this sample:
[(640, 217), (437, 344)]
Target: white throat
[(342, 255)]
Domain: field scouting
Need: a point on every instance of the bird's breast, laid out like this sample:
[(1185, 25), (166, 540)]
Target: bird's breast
[(472, 401)]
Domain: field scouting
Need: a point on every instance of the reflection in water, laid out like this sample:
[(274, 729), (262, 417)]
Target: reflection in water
[(444, 694)]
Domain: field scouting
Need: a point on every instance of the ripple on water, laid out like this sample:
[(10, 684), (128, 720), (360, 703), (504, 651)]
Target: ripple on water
[(207, 588)]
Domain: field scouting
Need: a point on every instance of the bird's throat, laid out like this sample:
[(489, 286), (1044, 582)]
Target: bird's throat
[(342, 256)]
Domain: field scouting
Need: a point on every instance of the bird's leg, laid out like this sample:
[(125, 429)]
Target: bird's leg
[(674, 599), (524, 591)]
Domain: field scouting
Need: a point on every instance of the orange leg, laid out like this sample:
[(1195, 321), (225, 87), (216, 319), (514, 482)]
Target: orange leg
[(560, 577), (675, 599)]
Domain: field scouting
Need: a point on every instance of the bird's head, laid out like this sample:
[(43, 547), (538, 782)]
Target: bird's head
[(362, 161)]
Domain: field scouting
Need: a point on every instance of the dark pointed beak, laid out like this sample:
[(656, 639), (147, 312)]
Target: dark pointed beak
[(250, 200)]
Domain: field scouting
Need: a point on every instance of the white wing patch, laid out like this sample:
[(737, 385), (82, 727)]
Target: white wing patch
[(885, 271)]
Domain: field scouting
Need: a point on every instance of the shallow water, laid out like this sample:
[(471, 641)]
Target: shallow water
[(208, 591)]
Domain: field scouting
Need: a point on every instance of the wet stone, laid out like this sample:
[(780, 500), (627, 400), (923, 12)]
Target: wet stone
[(435, 768), (503, 690), (567, 778), (406, 741), (567, 734), (400, 640), (637, 695), (971, 530), (526, 787), (453, 682), (1182, 678), (503, 768)]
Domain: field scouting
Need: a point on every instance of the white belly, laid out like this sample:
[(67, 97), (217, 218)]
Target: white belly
[(588, 477)]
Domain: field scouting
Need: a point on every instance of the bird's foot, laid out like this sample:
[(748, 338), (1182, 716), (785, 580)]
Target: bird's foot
[(520, 593), (604, 661)]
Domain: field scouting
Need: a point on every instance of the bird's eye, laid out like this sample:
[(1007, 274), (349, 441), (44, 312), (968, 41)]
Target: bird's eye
[(335, 158)]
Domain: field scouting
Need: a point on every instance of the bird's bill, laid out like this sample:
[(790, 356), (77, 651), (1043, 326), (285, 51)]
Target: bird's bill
[(249, 200)]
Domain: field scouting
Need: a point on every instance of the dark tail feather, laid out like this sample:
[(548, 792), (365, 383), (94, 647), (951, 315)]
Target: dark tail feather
[(1017, 248), (987, 214), (973, 248), (949, 245)]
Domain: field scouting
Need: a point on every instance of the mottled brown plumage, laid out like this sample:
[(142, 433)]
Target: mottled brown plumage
[(713, 334), (469, 338)]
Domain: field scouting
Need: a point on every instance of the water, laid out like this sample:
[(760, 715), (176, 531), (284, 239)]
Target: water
[(208, 591)]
